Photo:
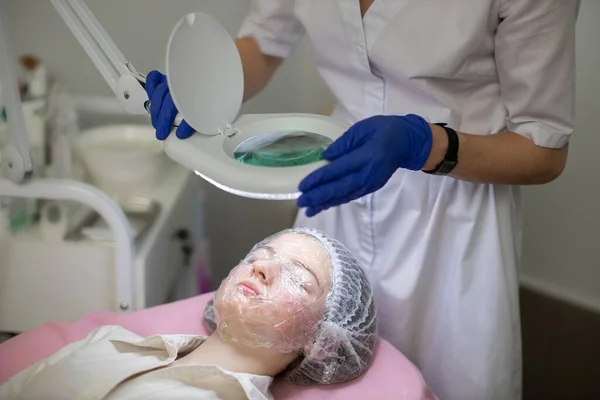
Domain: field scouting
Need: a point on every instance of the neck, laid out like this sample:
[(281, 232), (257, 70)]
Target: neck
[(237, 357)]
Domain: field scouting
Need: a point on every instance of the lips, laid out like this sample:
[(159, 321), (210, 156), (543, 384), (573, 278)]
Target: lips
[(249, 288)]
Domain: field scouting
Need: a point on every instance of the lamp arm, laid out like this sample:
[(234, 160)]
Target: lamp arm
[(126, 83)]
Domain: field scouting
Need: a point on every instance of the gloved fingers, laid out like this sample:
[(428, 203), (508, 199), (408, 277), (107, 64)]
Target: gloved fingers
[(312, 211), (336, 169), (349, 141), (156, 103), (153, 79), (184, 130), (338, 189), (168, 112)]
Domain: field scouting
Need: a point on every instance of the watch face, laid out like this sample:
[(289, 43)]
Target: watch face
[(446, 168)]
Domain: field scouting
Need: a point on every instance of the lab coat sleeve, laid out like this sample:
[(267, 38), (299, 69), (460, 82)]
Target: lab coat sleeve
[(535, 59), (274, 26), (14, 386)]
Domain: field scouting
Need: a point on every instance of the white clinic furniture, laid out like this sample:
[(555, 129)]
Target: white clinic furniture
[(61, 281), (132, 272)]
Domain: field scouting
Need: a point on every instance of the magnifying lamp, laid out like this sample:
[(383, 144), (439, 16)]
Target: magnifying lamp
[(257, 156)]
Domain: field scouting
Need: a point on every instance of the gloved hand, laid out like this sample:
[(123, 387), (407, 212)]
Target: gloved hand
[(162, 108), (364, 159)]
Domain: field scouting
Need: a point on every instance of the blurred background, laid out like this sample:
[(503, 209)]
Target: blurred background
[(561, 258)]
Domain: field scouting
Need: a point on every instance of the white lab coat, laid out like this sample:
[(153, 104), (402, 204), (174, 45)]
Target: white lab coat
[(98, 366), (442, 254)]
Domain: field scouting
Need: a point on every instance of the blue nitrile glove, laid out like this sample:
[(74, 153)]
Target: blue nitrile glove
[(162, 108), (364, 158)]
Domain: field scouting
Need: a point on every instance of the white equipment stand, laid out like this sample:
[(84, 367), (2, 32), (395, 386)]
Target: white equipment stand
[(17, 165)]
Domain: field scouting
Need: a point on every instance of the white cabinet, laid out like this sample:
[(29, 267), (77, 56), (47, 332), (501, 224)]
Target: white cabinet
[(43, 281)]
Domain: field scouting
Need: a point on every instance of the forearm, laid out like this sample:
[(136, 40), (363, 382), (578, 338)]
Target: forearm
[(258, 67), (503, 158)]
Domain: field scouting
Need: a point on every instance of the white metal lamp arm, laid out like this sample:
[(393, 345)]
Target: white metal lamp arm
[(17, 164), (126, 83)]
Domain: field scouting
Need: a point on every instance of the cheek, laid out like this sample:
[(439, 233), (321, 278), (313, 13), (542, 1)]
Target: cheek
[(239, 271), (289, 298), (293, 314), (286, 323), (235, 275)]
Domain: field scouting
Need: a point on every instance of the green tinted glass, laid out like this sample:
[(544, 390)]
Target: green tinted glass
[(282, 149)]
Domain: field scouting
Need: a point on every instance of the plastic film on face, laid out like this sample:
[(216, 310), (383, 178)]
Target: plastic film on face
[(276, 296)]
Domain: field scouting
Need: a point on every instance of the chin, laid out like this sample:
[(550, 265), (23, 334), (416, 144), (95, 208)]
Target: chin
[(246, 309)]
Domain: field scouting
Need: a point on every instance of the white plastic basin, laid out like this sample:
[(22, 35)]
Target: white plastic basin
[(122, 160)]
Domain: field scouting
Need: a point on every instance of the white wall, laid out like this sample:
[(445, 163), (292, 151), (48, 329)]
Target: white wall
[(562, 220)]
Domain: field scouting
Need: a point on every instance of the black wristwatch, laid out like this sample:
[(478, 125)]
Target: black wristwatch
[(451, 158)]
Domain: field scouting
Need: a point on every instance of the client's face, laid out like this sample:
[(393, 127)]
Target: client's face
[(276, 296)]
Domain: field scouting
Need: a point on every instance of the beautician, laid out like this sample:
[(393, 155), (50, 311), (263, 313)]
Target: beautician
[(433, 211)]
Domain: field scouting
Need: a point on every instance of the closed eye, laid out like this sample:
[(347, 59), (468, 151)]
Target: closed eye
[(301, 265), (272, 252)]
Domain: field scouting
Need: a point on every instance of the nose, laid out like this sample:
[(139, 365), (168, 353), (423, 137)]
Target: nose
[(264, 271)]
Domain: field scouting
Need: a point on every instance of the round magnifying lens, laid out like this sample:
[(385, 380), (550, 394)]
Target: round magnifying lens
[(282, 149)]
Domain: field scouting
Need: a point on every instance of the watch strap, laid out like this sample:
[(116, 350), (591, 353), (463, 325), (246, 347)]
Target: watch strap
[(450, 159)]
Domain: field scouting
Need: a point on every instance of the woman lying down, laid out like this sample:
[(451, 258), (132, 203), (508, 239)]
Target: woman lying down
[(298, 306)]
